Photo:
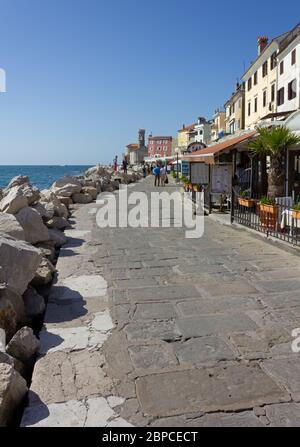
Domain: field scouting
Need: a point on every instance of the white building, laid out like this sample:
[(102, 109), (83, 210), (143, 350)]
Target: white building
[(202, 131), (288, 76)]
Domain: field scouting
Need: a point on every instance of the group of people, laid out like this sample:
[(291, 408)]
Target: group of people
[(160, 175)]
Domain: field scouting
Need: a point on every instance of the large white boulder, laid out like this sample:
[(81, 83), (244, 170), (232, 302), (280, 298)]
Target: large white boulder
[(67, 190), (19, 262), (82, 198), (57, 237), (18, 181), (90, 190), (44, 273), (45, 210), (31, 193), (13, 200), (67, 180), (10, 226), (49, 197), (12, 310), (33, 225), (24, 345), (13, 389)]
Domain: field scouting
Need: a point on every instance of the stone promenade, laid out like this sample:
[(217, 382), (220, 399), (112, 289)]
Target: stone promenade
[(147, 328)]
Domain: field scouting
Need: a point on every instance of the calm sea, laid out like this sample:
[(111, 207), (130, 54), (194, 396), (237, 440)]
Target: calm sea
[(40, 176)]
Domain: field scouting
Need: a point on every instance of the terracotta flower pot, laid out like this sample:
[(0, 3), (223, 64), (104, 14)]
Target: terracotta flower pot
[(248, 203), (296, 214), (268, 215)]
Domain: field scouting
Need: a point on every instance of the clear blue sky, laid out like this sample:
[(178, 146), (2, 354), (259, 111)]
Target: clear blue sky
[(84, 75)]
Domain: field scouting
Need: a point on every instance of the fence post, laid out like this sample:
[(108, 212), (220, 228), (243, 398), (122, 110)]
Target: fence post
[(232, 185)]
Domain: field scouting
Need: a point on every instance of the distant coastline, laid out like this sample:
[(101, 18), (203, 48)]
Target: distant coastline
[(41, 176)]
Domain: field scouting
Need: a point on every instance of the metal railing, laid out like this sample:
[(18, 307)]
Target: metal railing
[(280, 220)]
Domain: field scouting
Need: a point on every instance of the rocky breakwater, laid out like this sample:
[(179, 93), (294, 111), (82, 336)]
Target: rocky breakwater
[(31, 233)]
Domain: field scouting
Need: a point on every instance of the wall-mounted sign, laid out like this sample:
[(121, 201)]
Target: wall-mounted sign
[(185, 168), (221, 179), (200, 173)]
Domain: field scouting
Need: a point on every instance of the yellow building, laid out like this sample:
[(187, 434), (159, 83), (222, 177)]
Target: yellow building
[(185, 136), (261, 82)]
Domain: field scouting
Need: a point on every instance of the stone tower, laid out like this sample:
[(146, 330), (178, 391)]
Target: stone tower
[(142, 138)]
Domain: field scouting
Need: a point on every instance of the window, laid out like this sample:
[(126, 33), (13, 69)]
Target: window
[(240, 103), (265, 69), (281, 70), (255, 78), (264, 98), (293, 57), (233, 107), (273, 60), (272, 92), (249, 108), (292, 89), (255, 104), (280, 96), (249, 84)]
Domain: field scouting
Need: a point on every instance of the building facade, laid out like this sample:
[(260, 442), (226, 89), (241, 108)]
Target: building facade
[(202, 131), (218, 126), (185, 137), (235, 111), (159, 146), (288, 76), (136, 153)]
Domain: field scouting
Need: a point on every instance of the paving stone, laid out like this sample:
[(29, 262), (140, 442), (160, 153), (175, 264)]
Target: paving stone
[(280, 285), (75, 375), (102, 321), (284, 415), (64, 339), (166, 330), (286, 372), (242, 419), (203, 349), (154, 311), (230, 288), (98, 413), (215, 324), (222, 304), (163, 293), (66, 414), (231, 388), (152, 357), (283, 300), (136, 283)]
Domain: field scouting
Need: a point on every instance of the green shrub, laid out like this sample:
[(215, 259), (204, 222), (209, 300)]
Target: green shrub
[(265, 200)]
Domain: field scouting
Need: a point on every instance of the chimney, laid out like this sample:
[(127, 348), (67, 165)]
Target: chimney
[(262, 42)]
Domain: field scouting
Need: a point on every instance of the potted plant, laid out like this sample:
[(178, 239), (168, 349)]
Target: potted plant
[(296, 211), (196, 188), (244, 200), (268, 212), (274, 142)]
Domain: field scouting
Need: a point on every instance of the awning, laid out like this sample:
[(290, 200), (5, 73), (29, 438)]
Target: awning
[(208, 154)]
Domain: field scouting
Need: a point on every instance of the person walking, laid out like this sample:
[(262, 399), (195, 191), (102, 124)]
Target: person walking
[(125, 166), (156, 173), (144, 171), (163, 175), (115, 164)]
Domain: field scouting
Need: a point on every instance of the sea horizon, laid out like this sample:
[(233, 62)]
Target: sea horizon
[(42, 175)]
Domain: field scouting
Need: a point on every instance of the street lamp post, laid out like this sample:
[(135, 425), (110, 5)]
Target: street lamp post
[(177, 166)]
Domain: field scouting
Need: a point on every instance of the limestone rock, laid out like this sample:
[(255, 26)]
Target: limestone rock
[(31, 193), (10, 226), (32, 223), (90, 190), (67, 190), (67, 201), (67, 180), (34, 303), (24, 345), (45, 210), (2, 340), (47, 250), (57, 237), (44, 273), (82, 198), (19, 262), (12, 311), (13, 201), (13, 389), (59, 208), (60, 223), (18, 181)]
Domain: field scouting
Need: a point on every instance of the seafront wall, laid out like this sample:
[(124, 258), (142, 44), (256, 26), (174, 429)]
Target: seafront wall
[(32, 224)]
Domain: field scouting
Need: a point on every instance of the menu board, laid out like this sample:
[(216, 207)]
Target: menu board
[(221, 181), (200, 173), (185, 168)]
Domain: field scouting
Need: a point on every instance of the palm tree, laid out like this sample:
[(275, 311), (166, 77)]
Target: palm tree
[(274, 142)]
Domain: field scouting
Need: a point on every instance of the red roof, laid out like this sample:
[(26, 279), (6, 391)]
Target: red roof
[(189, 127), (133, 147), (216, 148)]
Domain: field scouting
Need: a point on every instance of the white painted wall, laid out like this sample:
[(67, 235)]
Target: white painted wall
[(290, 73)]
